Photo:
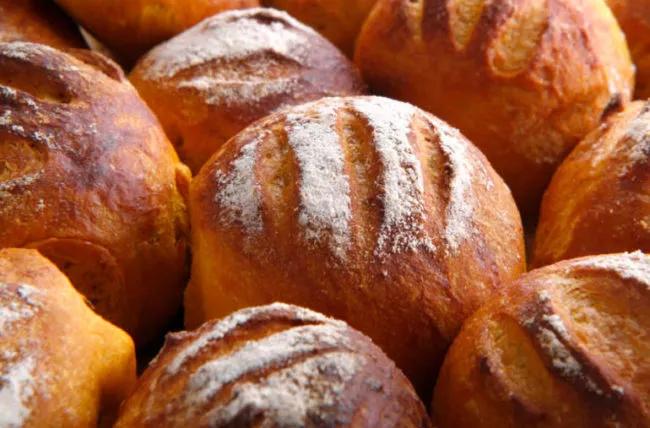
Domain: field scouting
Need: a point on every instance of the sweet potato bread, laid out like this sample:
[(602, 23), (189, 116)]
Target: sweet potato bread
[(363, 208), (524, 80), (61, 365), (338, 20), (597, 202), (89, 179), (634, 18), (38, 21), (273, 366), (567, 346), (131, 27), (215, 79)]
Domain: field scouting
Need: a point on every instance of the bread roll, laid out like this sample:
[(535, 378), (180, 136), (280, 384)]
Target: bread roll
[(598, 201), (131, 27), (61, 365), (567, 346), (89, 179), (338, 20), (215, 79), (273, 366), (38, 21), (363, 208), (524, 80), (634, 17)]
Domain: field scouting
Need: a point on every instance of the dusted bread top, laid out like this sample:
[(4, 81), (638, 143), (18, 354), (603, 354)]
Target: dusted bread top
[(277, 365)]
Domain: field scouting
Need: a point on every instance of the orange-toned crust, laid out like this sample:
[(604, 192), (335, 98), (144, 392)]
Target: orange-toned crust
[(61, 364), (218, 77), (524, 80), (88, 177), (319, 207), (566, 346), (338, 20), (275, 366), (131, 27), (597, 202), (37, 21), (634, 18)]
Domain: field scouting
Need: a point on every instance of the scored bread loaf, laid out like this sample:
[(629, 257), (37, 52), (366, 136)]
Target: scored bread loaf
[(634, 18), (89, 179), (597, 202), (218, 77), (38, 21), (338, 20), (273, 366), (524, 80), (131, 27), (566, 346), (363, 208), (61, 365)]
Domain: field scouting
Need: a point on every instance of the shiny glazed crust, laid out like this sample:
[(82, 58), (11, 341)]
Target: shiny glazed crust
[(37, 21), (566, 346), (597, 202), (61, 365), (363, 208), (276, 366), (218, 77), (88, 178), (524, 80), (131, 27)]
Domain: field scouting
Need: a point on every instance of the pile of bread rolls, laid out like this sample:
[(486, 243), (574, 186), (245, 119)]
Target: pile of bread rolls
[(327, 209)]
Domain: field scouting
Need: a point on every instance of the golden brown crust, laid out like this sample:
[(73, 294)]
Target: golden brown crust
[(37, 21), (131, 27), (597, 202), (566, 346), (88, 177), (218, 77), (276, 365), (60, 363), (338, 20), (363, 208), (524, 80), (634, 17)]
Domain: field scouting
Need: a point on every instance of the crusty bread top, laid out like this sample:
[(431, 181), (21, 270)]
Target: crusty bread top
[(279, 363)]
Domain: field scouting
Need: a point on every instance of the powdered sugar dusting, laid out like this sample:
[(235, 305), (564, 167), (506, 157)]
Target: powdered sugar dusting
[(232, 35), (17, 304), (234, 321), (561, 357), (306, 392), (16, 389), (239, 192), (638, 134), (277, 349), (630, 266), (325, 206), (403, 197)]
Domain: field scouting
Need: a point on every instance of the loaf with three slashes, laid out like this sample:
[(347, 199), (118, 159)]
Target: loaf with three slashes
[(89, 179), (218, 77), (566, 346), (273, 366), (61, 365), (524, 80), (363, 208)]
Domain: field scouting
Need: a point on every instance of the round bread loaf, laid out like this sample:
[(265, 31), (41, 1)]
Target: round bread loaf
[(131, 27), (215, 79), (567, 346), (89, 179), (599, 199), (634, 17), (363, 208), (338, 20), (61, 365), (524, 80), (273, 366), (38, 21)]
